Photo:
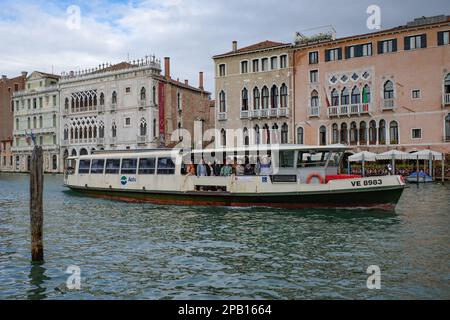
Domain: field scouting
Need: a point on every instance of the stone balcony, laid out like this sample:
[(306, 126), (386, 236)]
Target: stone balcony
[(222, 116), (314, 111), (350, 110), (35, 131), (265, 113), (141, 139), (387, 104)]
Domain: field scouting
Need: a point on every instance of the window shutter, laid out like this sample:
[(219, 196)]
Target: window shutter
[(394, 45), (347, 52), (327, 55), (424, 40), (440, 37), (340, 53), (380, 47), (407, 44)]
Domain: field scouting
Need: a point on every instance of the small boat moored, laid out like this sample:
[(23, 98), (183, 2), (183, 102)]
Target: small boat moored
[(285, 176)]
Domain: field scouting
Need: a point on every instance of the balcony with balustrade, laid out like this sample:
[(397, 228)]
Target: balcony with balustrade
[(359, 109), (314, 111), (265, 113), (446, 99), (222, 116), (142, 139), (387, 104)]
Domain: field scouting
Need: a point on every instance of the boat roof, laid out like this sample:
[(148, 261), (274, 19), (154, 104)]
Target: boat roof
[(101, 154)]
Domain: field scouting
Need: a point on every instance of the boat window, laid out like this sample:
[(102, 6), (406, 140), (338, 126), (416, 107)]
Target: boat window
[(147, 166), (335, 159), (311, 159), (97, 166), (166, 166), (112, 166), (84, 166), (129, 166), (286, 159)]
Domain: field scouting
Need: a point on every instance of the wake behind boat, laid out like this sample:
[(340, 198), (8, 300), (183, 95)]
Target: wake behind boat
[(288, 176)]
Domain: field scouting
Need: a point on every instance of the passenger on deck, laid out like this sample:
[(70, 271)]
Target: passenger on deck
[(248, 169), (201, 169), (226, 170), (190, 169), (257, 169), (239, 169), (217, 166), (210, 169), (266, 166)]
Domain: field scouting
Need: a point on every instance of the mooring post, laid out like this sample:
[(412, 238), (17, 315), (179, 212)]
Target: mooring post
[(36, 207)]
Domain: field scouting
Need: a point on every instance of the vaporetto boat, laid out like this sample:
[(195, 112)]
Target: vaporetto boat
[(284, 176)]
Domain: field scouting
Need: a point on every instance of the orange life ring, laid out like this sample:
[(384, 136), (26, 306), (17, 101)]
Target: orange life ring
[(314, 175)]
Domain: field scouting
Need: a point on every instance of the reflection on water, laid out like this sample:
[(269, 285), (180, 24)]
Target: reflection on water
[(145, 251), (37, 280)]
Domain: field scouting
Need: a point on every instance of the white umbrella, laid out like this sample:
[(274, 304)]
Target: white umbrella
[(363, 156), (393, 155), (426, 155)]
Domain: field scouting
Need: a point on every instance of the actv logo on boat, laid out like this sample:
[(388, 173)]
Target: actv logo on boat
[(124, 180)]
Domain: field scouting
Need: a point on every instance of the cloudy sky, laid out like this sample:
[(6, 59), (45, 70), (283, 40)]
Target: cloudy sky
[(35, 33)]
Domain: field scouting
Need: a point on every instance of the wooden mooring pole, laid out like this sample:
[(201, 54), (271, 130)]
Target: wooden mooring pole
[(36, 206)]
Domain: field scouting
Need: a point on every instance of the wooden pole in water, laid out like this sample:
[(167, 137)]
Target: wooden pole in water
[(417, 169), (442, 167), (36, 207)]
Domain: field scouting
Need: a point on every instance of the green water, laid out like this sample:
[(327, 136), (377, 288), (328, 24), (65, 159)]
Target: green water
[(145, 251)]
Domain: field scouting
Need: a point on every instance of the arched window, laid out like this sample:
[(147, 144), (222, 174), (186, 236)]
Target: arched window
[(223, 137), (54, 162), (143, 94), (275, 133), (114, 130), (28, 123), (335, 133), (83, 152), (372, 132), (154, 95), (334, 98), (222, 102), (101, 130), (246, 139), (363, 133), (274, 96), (66, 104), (366, 94), (447, 127), (284, 133), (284, 96), (54, 120), (323, 136), (256, 99), (356, 95), (66, 133), (72, 104), (314, 99), (265, 97), (143, 127), (41, 122), (353, 133), (114, 97), (74, 153), (244, 99), (382, 132), (102, 99), (34, 122), (266, 131), (17, 123), (345, 97), (300, 135), (154, 128), (393, 132), (388, 90), (257, 135), (344, 133)]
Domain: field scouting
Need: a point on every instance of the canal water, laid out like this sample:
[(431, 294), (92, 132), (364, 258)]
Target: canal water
[(145, 251)]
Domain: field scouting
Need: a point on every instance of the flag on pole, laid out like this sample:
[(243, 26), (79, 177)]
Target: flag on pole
[(365, 99), (326, 97)]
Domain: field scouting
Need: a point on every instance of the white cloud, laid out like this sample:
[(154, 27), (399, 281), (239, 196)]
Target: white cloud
[(35, 36)]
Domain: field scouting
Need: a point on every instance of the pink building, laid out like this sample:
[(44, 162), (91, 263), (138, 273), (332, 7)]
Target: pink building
[(378, 91)]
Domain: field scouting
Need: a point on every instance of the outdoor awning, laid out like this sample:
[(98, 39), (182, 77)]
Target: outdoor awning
[(393, 154), (363, 156), (426, 155)]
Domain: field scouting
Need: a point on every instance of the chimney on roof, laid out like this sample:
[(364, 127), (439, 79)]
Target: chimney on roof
[(200, 80), (167, 67), (234, 45), (24, 74), (186, 82)]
